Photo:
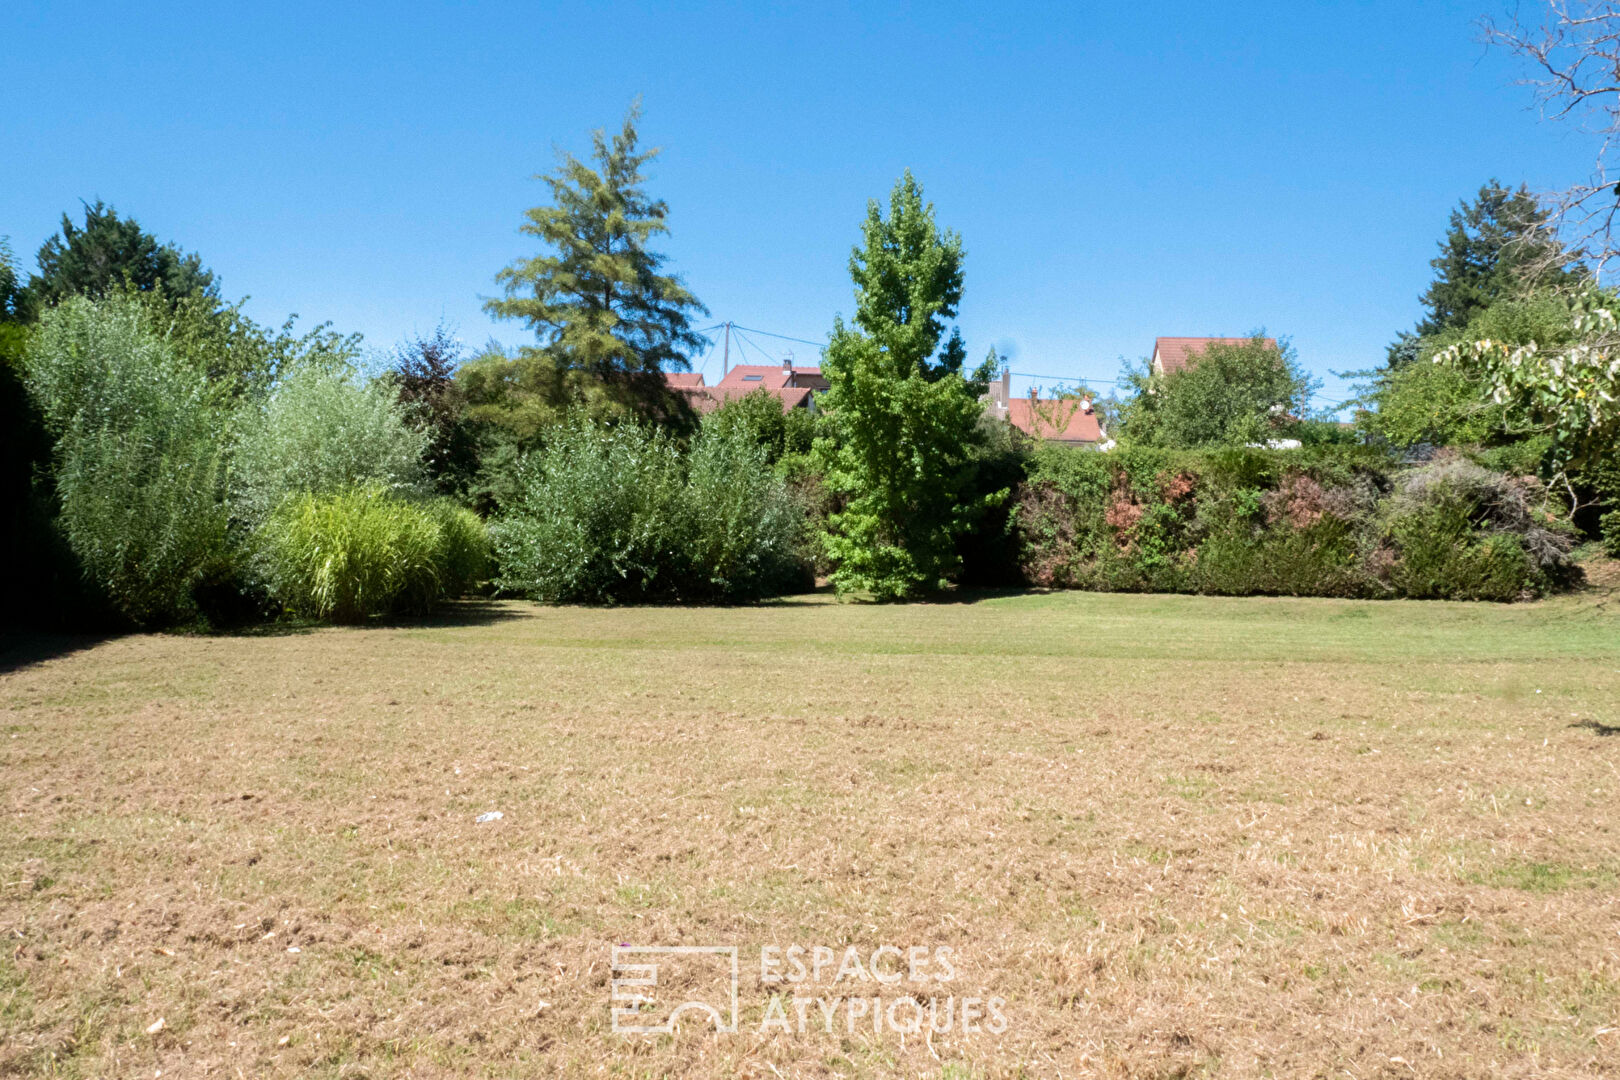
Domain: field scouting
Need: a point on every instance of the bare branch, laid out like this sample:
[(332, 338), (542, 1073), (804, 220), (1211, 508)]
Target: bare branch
[(1575, 54)]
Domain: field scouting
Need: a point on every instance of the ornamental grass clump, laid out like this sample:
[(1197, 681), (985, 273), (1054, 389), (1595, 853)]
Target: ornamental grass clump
[(352, 555)]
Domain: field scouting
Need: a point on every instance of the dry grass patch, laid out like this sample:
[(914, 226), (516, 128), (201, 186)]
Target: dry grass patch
[(1179, 836)]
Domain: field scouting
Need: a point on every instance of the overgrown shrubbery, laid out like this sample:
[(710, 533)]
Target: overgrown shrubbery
[(138, 457), (350, 555), (615, 514), (323, 430), (1333, 521)]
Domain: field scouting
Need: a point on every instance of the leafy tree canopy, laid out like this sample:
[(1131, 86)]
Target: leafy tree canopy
[(902, 419), (110, 252), (601, 302), (1567, 387), (1227, 395)]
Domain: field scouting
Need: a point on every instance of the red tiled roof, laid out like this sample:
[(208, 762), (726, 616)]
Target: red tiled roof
[(773, 377), (683, 378), (1176, 353), (1057, 419)]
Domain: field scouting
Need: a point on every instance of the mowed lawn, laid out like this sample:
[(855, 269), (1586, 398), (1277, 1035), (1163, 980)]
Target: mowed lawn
[(1178, 836)]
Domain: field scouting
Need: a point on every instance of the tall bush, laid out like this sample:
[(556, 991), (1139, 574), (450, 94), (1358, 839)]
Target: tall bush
[(138, 456), (616, 514), (324, 430)]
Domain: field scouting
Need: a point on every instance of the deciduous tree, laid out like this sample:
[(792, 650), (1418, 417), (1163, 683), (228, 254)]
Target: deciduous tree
[(902, 417)]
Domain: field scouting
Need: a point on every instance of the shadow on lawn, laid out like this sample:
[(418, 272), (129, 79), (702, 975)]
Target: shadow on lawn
[(25, 648), (1598, 727)]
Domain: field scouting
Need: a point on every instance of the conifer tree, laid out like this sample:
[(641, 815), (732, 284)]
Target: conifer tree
[(107, 253), (1496, 247), (600, 302), (901, 415)]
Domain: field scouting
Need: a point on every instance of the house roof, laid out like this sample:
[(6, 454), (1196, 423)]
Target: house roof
[(1172, 354), (683, 378), (706, 399), (774, 377), (1054, 419)]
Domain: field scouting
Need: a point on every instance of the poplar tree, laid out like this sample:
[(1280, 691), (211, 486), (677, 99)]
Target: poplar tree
[(606, 313), (902, 417)]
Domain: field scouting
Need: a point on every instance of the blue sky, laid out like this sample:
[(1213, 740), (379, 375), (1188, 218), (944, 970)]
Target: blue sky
[(1117, 171)]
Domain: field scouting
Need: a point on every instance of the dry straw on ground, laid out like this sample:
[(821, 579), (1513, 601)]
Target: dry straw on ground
[(1180, 836)]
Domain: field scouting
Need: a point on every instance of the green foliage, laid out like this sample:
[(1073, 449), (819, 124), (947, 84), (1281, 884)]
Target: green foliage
[(1568, 387), (109, 253), (1497, 247), (1609, 530), (466, 557), (613, 514), (349, 555), (601, 304), (323, 431), (1320, 522), (10, 283), (424, 371), (242, 359), (1228, 395), (758, 418), (138, 455), (1452, 404), (900, 418), (748, 535)]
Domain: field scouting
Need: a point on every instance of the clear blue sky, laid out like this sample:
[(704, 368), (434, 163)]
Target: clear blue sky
[(1117, 171)]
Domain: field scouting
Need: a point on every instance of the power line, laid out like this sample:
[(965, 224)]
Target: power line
[(751, 341), (784, 337), (1063, 378)]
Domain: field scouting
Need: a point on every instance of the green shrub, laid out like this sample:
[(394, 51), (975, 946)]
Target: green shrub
[(137, 457), (322, 430), (748, 532), (606, 515), (351, 555), (1610, 531), (758, 416), (1323, 521), (596, 518), (465, 556)]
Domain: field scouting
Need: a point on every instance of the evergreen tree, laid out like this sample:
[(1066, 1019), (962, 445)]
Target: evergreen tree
[(1496, 247), (107, 253), (600, 303), (902, 418)]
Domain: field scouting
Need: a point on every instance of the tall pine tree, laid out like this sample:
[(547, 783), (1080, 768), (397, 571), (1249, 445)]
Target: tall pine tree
[(1496, 247), (607, 315), (902, 417)]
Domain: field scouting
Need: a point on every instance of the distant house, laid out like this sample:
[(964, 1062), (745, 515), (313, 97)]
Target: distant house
[(794, 387), (1173, 354), (1066, 421)]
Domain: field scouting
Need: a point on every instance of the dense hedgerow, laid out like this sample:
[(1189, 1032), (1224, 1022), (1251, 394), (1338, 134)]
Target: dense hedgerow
[(618, 514), (138, 457), (1330, 521), (350, 555)]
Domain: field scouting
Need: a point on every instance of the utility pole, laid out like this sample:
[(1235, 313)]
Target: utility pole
[(725, 358)]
